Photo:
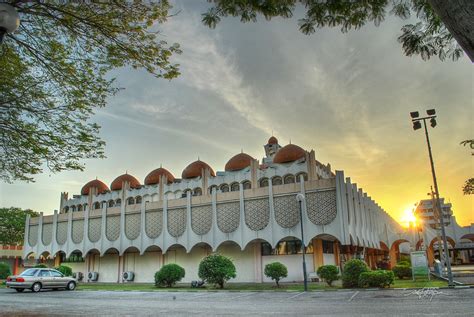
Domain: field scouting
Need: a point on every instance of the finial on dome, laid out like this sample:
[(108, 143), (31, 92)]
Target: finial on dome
[(241, 150), (161, 165), (198, 158)]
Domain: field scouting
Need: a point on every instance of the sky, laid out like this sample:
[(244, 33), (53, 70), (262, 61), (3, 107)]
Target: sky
[(345, 95)]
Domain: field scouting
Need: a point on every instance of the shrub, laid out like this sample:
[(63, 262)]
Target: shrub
[(4, 270), (352, 270), (405, 258), (405, 263), (276, 271), (216, 269), (377, 278), (402, 271), (329, 273), (41, 266), (169, 274), (66, 270)]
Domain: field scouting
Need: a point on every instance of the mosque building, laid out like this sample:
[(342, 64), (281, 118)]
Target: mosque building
[(248, 212)]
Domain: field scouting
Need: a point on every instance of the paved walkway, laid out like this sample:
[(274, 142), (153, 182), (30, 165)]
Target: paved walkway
[(442, 302)]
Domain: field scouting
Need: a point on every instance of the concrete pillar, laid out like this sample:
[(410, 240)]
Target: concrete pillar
[(430, 255), (393, 256), (336, 253), (57, 260), (318, 259), (15, 266), (258, 262)]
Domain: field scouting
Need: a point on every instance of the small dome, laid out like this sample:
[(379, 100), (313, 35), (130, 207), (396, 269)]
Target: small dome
[(117, 183), (101, 187), (154, 176), (238, 162), (289, 153), (272, 140), (194, 169)]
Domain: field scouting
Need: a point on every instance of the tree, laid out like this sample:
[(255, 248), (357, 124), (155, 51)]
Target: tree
[(4, 270), (66, 270), (169, 275), (276, 271), (12, 225), (468, 187), (216, 269), (352, 270), (328, 273), (441, 23), (55, 74)]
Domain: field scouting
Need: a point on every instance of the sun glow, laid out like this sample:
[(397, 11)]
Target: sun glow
[(408, 217)]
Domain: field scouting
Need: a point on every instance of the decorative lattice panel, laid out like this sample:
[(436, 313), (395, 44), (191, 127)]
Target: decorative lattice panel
[(61, 232), (112, 228), (201, 219), (176, 221), (154, 223), (77, 231), (257, 213), (47, 234), (287, 213), (228, 216), (33, 235), (94, 229), (132, 226), (321, 207)]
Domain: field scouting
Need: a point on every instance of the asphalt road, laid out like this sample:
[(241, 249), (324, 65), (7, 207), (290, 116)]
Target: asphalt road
[(444, 302)]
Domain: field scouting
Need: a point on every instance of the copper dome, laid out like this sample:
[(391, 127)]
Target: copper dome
[(272, 140), (100, 186), (117, 183), (154, 176), (194, 169), (289, 153), (238, 162)]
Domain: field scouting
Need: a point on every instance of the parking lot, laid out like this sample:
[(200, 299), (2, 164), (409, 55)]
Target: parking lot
[(457, 302)]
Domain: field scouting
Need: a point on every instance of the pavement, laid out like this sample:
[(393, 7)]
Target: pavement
[(424, 302)]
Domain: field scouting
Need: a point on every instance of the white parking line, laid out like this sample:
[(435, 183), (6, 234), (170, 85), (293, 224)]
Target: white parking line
[(294, 296), (244, 295), (352, 297)]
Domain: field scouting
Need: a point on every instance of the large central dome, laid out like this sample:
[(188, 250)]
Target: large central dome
[(154, 176), (118, 182), (238, 162), (195, 169), (100, 186), (289, 153)]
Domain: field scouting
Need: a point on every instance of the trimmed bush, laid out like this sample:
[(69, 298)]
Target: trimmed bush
[(405, 258), (329, 273), (41, 266), (402, 271), (377, 278), (352, 270), (66, 270), (276, 271), (169, 274), (4, 270), (216, 269)]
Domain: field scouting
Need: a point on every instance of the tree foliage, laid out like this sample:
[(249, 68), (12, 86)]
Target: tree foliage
[(169, 275), (12, 225), (216, 269), (276, 271), (468, 187), (54, 75), (352, 270), (66, 270), (426, 38), (329, 273), (4, 270)]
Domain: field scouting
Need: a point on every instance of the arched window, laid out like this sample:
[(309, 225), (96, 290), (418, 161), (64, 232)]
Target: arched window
[(85, 207), (289, 179), (197, 191), (263, 182), (305, 177), (111, 203), (247, 184), (185, 193), (224, 188), (277, 181), (79, 207), (211, 188), (118, 202), (96, 205), (234, 187), (66, 209), (138, 200), (130, 201), (73, 208)]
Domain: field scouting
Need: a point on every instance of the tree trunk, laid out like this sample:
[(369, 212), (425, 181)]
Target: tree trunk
[(458, 17)]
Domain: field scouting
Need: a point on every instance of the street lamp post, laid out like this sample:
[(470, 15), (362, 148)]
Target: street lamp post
[(300, 198), (9, 20), (415, 118)]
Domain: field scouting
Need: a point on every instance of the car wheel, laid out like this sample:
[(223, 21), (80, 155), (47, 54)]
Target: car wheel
[(36, 287), (71, 286), (19, 290)]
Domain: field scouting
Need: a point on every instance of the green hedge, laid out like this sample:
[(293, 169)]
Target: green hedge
[(4, 270), (402, 271), (329, 273), (169, 274), (377, 278), (66, 270), (352, 270)]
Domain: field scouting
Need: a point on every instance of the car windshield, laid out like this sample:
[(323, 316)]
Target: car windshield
[(29, 272)]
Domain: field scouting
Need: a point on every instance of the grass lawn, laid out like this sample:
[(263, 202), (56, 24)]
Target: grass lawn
[(419, 283)]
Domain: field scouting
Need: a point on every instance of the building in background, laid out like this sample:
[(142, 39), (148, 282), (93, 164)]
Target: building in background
[(425, 212), (12, 255)]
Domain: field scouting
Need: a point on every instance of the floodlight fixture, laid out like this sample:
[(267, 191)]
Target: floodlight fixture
[(433, 122), (416, 125), (414, 114), (431, 112)]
